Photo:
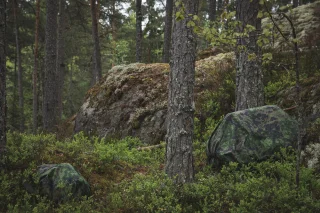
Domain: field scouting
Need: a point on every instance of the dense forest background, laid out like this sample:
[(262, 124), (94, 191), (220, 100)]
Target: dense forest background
[(117, 35), (92, 82), (117, 43)]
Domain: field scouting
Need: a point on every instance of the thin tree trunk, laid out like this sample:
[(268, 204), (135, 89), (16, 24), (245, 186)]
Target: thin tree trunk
[(249, 85), (138, 31), (20, 85), (14, 119), (3, 111), (60, 69), (35, 71), (114, 32), (50, 80), (95, 38), (167, 32), (301, 131), (179, 158), (212, 10), (70, 87), (220, 7)]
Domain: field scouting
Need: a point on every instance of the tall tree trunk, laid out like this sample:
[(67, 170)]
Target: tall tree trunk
[(50, 80), (114, 32), (138, 31), (3, 111), (60, 69), (70, 93), (18, 50), (167, 32), (95, 38), (212, 10), (249, 85), (179, 159), (14, 108), (35, 71), (220, 7), (295, 3)]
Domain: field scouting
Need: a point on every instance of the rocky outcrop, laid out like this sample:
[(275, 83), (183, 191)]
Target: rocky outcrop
[(306, 20), (131, 100)]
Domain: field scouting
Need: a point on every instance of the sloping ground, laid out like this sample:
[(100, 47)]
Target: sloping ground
[(132, 100)]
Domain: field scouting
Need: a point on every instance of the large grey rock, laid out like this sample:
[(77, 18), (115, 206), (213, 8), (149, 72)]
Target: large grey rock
[(131, 100)]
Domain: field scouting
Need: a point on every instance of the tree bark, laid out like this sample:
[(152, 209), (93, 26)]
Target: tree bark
[(249, 85), (167, 32), (295, 3), (50, 79), (18, 50), (179, 159), (3, 111), (60, 69), (113, 24), (220, 7), (138, 31), (35, 71), (95, 37), (212, 10), (14, 107)]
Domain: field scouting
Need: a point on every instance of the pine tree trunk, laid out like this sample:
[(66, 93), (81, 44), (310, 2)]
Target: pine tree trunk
[(220, 7), (60, 69), (138, 31), (50, 81), (3, 111), (14, 107), (18, 50), (35, 71), (179, 159), (249, 85), (212, 10), (95, 37), (114, 32), (167, 32)]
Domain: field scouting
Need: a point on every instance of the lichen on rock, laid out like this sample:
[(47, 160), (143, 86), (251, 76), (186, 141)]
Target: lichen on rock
[(131, 100)]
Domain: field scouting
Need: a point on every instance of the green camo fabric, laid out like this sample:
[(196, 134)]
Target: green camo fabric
[(61, 182), (251, 135)]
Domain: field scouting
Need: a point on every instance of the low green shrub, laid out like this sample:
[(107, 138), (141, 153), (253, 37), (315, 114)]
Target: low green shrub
[(124, 179), (258, 187)]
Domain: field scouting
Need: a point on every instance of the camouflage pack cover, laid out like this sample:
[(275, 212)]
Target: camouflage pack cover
[(251, 135), (61, 182)]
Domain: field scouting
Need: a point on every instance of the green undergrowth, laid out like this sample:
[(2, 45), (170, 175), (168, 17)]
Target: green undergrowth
[(124, 179)]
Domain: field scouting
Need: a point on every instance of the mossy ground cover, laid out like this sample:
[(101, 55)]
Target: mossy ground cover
[(124, 179)]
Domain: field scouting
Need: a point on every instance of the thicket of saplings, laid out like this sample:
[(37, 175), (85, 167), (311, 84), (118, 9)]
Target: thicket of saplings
[(124, 179)]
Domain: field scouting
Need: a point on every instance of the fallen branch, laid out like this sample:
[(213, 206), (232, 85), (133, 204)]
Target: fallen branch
[(149, 148), (290, 108)]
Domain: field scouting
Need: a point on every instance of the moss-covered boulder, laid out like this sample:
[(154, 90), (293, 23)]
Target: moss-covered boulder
[(251, 135), (61, 182), (131, 100)]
